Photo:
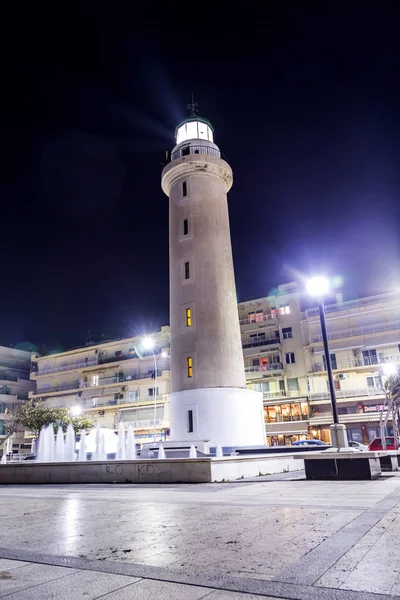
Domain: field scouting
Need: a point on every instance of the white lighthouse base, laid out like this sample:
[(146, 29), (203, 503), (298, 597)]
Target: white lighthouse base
[(225, 416)]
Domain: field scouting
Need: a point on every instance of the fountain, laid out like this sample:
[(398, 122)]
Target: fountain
[(161, 452), (121, 454), (69, 450), (218, 452), (46, 449), (59, 450), (192, 452), (130, 444), (82, 447)]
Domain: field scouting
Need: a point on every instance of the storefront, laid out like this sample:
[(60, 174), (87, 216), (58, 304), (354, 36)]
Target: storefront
[(286, 423)]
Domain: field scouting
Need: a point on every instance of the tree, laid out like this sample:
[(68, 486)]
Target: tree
[(391, 406), (34, 415)]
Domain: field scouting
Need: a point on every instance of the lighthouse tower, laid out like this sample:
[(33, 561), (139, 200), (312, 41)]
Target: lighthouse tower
[(209, 399)]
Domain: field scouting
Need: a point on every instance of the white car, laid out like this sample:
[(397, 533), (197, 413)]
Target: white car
[(358, 446)]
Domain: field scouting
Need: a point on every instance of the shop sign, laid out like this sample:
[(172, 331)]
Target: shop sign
[(375, 408)]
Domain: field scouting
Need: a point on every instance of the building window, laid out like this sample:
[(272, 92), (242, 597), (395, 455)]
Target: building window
[(256, 316), (333, 361), (118, 353), (282, 387), (287, 333), (256, 362), (190, 421), (374, 382), (95, 380), (254, 337), (370, 357), (184, 189), (151, 392), (290, 358), (189, 364), (293, 384), (188, 313), (187, 270), (284, 309), (185, 227)]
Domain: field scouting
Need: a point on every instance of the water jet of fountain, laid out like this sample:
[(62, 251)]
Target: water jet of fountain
[(192, 452), (96, 455), (3, 460), (69, 450), (59, 453), (103, 455), (130, 444), (161, 452), (82, 447), (121, 453), (219, 453)]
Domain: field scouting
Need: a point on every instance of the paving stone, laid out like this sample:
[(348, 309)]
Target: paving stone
[(147, 589), (83, 585), (6, 564), (30, 575)]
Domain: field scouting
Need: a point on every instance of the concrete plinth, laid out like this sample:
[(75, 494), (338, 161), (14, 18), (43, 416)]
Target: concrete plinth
[(339, 436), (226, 416), (342, 465)]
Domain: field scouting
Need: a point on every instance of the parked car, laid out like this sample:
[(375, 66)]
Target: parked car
[(376, 444), (309, 443), (358, 446)]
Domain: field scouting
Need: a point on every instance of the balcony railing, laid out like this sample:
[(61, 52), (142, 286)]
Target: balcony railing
[(84, 365), (274, 395), (357, 331), (354, 393), (261, 368), (261, 342), (189, 149), (89, 403), (77, 385), (348, 305), (357, 362), (259, 320), (144, 424), (286, 419)]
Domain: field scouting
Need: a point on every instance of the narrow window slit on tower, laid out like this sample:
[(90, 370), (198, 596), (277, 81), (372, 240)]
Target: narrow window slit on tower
[(190, 421), (184, 188), (188, 317), (189, 362), (187, 270), (185, 227)]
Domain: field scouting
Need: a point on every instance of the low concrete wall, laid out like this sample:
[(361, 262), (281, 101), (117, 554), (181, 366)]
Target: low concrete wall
[(170, 470), (237, 467), (195, 470)]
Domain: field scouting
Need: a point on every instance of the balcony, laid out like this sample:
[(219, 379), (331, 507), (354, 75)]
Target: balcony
[(354, 393), (341, 365), (357, 331), (265, 320), (113, 402), (261, 368), (351, 304), (327, 419), (187, 150), (71, 367), (261, 342), (274, 395), (79, 385)]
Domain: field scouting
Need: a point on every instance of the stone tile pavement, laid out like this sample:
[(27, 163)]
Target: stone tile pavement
[(246, 540)]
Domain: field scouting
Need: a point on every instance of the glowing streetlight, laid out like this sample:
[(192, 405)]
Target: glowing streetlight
[(389, 369), (318, 287), (75, 411), (148, 343)]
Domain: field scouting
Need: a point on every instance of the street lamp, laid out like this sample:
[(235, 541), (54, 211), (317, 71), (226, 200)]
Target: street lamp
[(317, 287), (148, 344), (75, 411)]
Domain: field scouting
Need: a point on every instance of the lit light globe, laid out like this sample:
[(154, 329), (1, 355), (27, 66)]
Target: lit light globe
[(76, 411), (148, 343), (389, 369), (317, 286)]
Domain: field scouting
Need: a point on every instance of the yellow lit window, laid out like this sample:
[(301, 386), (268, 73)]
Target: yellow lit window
[(188, 317), (189, 362)]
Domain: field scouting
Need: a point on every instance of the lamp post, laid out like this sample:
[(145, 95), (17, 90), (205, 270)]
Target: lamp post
[(148, 344), (317, 287)]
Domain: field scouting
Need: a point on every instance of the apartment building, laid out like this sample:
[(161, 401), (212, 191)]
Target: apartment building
[(15, 386), (284, 359), (115, 381), (275, 363)]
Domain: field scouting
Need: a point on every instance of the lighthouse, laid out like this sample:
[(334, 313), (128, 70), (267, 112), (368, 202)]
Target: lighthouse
[(209, 399)]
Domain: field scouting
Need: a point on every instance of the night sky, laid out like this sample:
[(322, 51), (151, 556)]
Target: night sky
[(305, 106)]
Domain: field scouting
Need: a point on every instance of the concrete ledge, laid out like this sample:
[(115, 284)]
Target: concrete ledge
[(343, 465), (170, 470)]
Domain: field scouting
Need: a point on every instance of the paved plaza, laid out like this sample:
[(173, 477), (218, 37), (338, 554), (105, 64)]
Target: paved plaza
[(270, 538)]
